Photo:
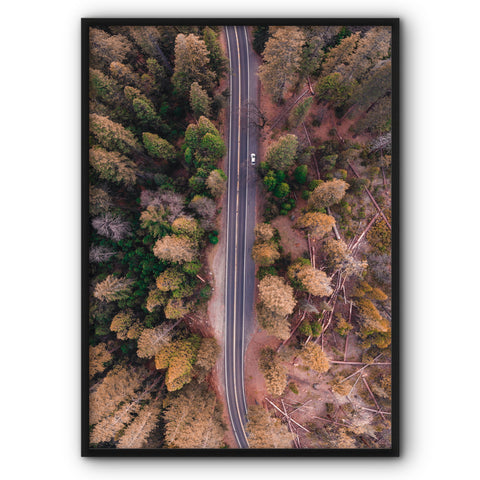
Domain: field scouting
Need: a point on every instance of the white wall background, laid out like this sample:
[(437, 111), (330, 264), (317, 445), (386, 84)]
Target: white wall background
[(40, 242)]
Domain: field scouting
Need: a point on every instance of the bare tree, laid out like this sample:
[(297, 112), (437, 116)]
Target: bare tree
[(113, 288), (111, 226), (152, 340), (383, 142), (174, 203), (206, 209), (256, 117), (99, 254)]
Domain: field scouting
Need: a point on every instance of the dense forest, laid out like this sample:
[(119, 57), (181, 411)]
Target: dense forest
[(322, 244), (325, 307), (155, 182)]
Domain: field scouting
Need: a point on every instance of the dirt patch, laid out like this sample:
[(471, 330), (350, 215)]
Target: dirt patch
[(216, 276), (255, 389), (329, 121), (293, 241), (308, 395)]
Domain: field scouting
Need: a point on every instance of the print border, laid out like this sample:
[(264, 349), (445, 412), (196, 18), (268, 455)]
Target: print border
[(394, 451)]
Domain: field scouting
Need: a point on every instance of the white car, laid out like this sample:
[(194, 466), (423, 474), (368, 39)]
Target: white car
[(252, 158)]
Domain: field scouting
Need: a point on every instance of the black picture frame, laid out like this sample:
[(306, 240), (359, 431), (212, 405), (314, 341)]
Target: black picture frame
[(394, 451)]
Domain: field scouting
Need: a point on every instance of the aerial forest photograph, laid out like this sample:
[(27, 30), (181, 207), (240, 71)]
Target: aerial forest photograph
[(239, 283)]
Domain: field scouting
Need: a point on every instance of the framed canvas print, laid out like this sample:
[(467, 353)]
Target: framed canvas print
[(240, 237)]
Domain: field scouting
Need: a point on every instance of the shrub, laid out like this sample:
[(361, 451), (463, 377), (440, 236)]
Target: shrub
[(314, 184), (300, 174), (293, 387)]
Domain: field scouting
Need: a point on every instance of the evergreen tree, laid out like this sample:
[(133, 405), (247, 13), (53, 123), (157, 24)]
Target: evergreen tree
[(340, 54), (334, 89), (371, 48), (143, 107), (99, 200), (218, 61), (281, 155), (373, 325), (377, 119), (136, 434), (105, 48), (187, 226), (260, 36), (281, 60), (213, 146), (152, 340), (124, 74), (178, 358), (119, 399), (339, 258), (176, 249), (264, 232), (148, 38), (112, 166), (273, 323), (207, 354), (315, 358), (193, 419), (273, 371), (118, 386), (126, 326), (191, 64), (375, 86), (102, 87), (177, 308), (300, 174), (276, 295), (158, 147), (266, 431), (154, 220), (327, 194), (111, 135), (200, 102), (170, 279), (316, 224), (311, 279), (265, 254), (98, 356), (156, 298)]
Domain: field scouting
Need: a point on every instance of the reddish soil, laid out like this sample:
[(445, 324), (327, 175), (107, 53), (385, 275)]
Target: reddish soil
[(310, 393), (330, 121), (313, 389), (292, 240), (255, 389)]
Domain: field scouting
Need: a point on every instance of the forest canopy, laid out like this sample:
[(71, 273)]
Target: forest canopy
[(154, 183)]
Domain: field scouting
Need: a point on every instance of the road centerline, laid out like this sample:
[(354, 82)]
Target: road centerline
[(235, 317)]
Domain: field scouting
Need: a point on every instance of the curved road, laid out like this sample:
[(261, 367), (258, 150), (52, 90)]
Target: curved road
[(239, 266)]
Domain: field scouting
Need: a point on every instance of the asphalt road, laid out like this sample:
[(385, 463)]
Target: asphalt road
[(239, 266)]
